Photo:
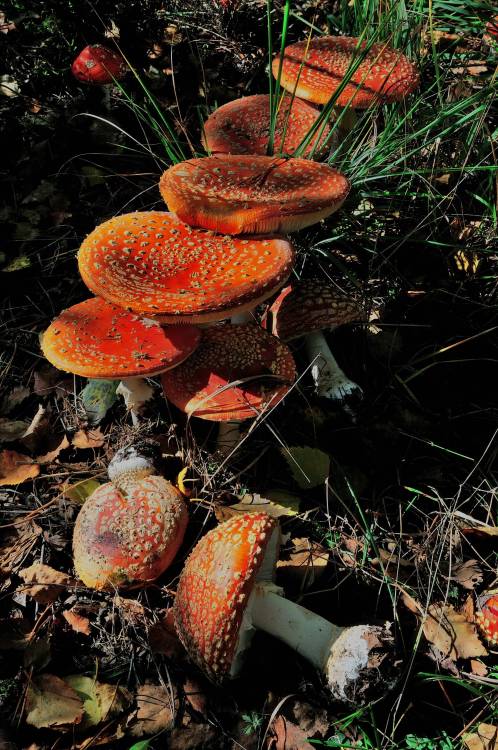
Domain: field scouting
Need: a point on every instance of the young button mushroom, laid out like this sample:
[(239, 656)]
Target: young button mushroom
[(154, 264), (237, 371), (99, 340), (226, 592), (243, 127), (253, 194), (305, 309), (99, 65), (487, 616), (129, 530)]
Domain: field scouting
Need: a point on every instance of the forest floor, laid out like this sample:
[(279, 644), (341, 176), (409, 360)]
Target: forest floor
[(390, 516)]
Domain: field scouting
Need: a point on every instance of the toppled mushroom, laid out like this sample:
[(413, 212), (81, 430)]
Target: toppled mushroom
[(253, 194), (156, 265), (98, 64), (129, 530), (99, 340), (305, 309), (226, 592), (315, 69), (243, 127), (487, 616), (237, 371)]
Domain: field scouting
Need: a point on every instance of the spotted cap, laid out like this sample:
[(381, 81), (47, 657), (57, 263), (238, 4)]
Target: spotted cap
[(487, 616), (154, 264), (98, 64), (253, 194), (99, 340), (123, 539), (308, 306), (320, 65), (214, 588), (243, 127), (236, 372)]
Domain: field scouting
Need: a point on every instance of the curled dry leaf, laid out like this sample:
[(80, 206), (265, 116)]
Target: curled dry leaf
[(156, 709), (51, 455), (287, 505), (451, 633), (486, 738), (16, 468), (305, 565), (44, 583), (88, 439), (79, 623), (51, 703)]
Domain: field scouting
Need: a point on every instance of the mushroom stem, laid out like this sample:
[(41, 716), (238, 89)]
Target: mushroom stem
[(243, 317), (330, 381), (347, 123), (349, 657), (135, 392), (228, 437)]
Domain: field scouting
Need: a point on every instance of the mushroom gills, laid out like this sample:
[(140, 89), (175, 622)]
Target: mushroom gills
[(330, 381)]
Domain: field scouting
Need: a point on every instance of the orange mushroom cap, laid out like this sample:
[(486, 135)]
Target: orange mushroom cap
[(99, 340), (122, 538), (98, 64), (152, 263), (214, 587), (253, 194), (243, 126), (201, 387), (308, 306), (320, 65), (487, 616)]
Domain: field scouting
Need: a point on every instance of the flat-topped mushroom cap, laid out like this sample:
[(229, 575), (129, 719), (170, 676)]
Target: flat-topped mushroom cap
[(154, 264), (230, 354), (98, 64), (99, 340), (243, 126), (308, 306), (214, 587), (252, 194), (487, 616), (124, 538), (384, 75)]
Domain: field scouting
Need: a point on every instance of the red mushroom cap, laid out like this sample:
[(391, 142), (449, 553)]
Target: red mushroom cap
[(253, 194), (99, 340), (491, 30), (487, 617), (320, 65), (98, 64), (124, 538), (152, 263), (243, 126), (308, 306), (227, 355), (214, 587)]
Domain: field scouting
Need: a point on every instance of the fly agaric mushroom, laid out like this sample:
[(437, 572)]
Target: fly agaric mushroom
[(253, 194), (130, 529), (305, 309), (236, 372), (98, 64), (99, 340), (314, 69), (243, 126), (490, 36), (487, 617), (226, 593), (152, 263)]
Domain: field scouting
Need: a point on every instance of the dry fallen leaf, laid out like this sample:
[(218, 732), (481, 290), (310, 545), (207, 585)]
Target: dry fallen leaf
[(155, 710), (287, 736), (16, 468), (44, 583), (164, 640), (309, 466), (486, 738), (306, 563), (288, 505), (467, 574), (11, 430), (101, 701), (451, 633), (51, 455), (195, 695), (52, 703), (88, 439), (16, 543), (80, 491), (78, 623)]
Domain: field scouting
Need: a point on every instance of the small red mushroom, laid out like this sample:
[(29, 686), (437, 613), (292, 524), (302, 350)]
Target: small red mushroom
[(487, 616), (129, 530), (98, 64), (226, 593)]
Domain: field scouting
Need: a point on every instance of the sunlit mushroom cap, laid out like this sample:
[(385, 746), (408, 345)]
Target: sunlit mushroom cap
[(99, 340), (121, 539), (320, 65), (243, 126), (308, 306), (209, 384), (98, 64), (253, 194), (214, 587), (487, 616), (154, 264)]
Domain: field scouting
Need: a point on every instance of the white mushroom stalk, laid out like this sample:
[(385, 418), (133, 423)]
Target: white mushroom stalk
[(330, 381), (135, 392), (228, 437)]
